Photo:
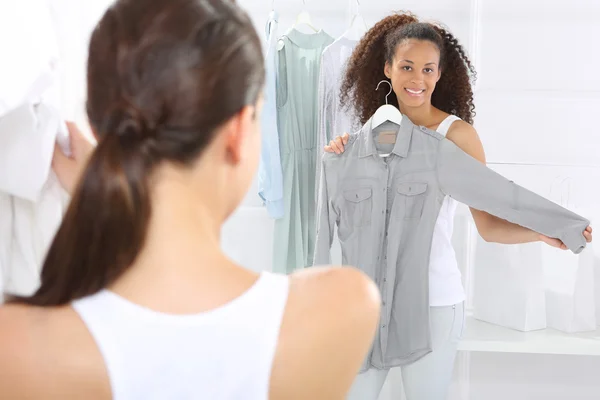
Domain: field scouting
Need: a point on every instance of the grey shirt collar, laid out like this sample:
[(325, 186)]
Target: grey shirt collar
[(403, 138)]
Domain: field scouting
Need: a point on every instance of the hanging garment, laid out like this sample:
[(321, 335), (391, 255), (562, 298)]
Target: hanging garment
[(334, 119), (386, 210), (270, 180), (226, 353), (6, 224), (31, 199), (297, 79), (31, 196), (30, 50)]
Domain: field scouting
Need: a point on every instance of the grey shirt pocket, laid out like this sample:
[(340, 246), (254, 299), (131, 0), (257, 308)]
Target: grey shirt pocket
[(410, 198), (358, 206)]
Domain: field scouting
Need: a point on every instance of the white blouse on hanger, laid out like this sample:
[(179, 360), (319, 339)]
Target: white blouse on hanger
[(334, 119), (32, 202)]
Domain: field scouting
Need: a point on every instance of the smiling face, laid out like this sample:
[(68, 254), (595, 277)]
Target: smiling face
[(414, 72)]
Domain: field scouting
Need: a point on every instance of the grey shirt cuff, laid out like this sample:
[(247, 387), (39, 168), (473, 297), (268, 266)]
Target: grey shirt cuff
[(575, 240)]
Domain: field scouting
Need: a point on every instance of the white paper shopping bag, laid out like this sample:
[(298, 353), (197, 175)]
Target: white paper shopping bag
[(569, 279), (570, 291), (509, 285), (597, 282)]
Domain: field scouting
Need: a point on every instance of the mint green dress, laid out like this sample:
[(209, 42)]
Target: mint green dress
[(299, 61)]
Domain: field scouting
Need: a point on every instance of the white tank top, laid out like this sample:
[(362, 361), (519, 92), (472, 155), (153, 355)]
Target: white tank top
[(225, 353), (445, 281)]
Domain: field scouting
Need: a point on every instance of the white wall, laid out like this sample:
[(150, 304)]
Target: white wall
[(536, 100)]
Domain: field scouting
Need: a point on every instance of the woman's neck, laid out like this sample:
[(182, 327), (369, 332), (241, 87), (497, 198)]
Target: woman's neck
[(182, 239), (425, 115)]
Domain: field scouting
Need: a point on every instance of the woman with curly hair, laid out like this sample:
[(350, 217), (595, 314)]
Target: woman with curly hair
[(431, 77)]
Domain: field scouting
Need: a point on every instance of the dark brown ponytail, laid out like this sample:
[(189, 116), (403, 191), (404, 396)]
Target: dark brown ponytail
[(105, 225), (162, 76)]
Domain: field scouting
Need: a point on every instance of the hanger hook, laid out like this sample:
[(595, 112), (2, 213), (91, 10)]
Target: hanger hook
[(390, 92)]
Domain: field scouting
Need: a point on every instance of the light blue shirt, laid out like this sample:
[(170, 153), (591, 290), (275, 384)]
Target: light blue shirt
[(270, 179)]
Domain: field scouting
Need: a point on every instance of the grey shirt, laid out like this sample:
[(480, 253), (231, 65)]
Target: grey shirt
[(385, 210)]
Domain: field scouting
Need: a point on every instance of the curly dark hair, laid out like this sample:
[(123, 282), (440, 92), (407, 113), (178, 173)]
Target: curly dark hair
[(453, 93)]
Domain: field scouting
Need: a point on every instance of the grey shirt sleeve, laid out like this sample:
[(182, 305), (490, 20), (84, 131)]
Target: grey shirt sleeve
[(326, 220), (467, 180)]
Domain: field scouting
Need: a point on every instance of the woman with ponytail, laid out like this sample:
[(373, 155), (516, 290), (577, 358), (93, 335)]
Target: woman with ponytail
[(431, 78), (137, 300)]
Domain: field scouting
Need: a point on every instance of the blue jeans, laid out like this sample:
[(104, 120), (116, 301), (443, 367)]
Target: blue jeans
[(430, 377)]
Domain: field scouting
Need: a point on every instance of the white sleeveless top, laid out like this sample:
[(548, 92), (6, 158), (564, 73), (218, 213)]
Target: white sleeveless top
[(445, 281), (225, 353)]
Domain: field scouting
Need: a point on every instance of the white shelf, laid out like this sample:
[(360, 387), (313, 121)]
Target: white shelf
[(484, 337)]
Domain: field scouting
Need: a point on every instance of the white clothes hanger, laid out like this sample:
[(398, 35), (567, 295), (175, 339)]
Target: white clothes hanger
[(304, 19), (357, 27), (386, 112)]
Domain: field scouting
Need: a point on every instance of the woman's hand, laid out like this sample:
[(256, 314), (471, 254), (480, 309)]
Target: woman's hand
[(587, 233), (337, 145), (69, 169)]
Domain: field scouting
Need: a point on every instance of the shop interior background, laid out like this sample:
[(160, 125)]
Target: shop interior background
[(537, 101)]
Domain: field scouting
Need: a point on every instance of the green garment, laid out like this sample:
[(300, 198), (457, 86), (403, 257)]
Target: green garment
[(297, 116)]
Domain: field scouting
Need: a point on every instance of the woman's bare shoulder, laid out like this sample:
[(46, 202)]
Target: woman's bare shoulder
[(328, 327), (338, 278), (48, 353), (322, 289)]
